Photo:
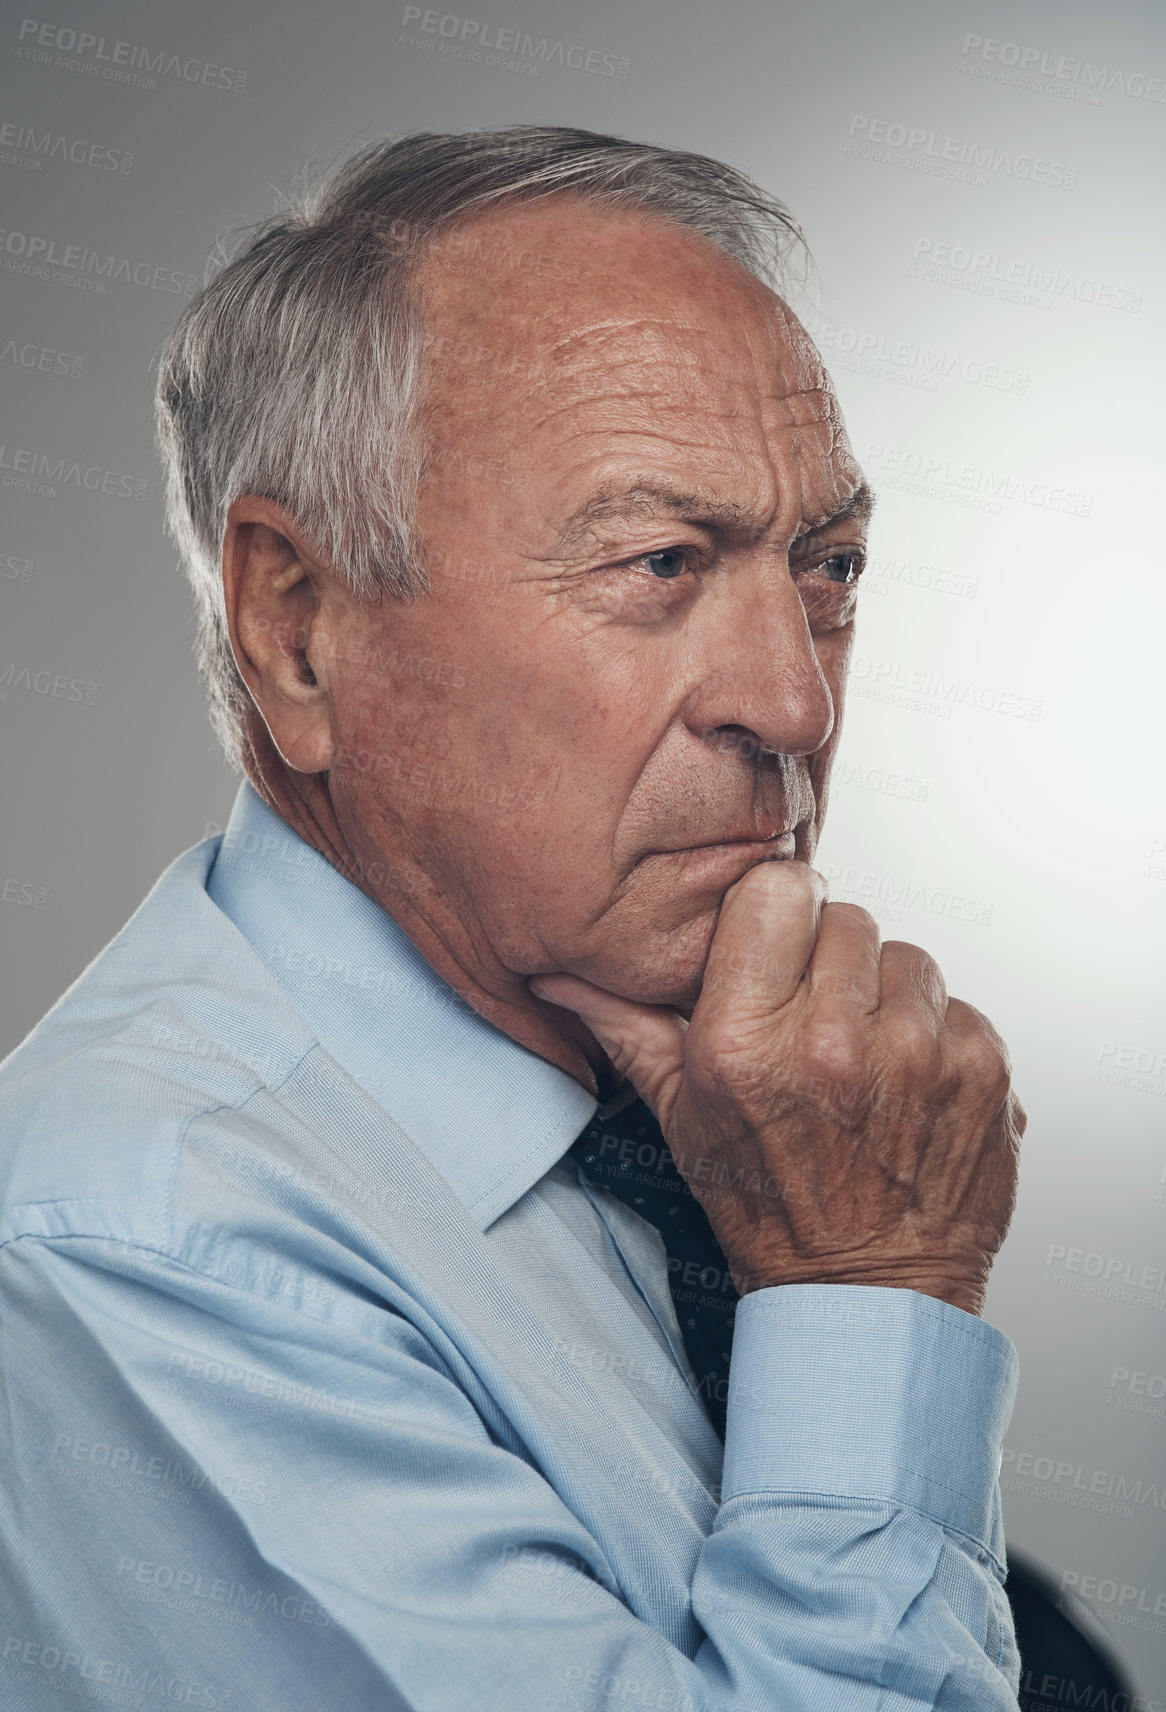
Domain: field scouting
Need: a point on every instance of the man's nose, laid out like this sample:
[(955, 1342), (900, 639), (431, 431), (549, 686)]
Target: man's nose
[(763, 687)]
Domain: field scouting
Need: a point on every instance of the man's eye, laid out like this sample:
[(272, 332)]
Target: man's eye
[(841, 568), (668, 563)]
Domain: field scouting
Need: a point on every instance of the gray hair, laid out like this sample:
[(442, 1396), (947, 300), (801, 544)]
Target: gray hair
[(296, 373)]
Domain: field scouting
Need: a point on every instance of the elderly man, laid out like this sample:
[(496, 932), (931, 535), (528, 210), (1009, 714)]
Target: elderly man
[(379, 1201)]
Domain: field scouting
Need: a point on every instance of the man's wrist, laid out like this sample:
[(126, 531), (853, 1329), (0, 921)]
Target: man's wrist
[(964, 1288)]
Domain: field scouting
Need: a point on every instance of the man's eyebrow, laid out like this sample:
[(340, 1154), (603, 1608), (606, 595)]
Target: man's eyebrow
[(856, 509), (649, 499)]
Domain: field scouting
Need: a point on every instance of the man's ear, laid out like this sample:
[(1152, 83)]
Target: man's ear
[(278, 616)]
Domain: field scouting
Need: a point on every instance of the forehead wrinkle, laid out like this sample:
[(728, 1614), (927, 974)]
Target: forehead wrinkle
[(821, 394), (681, 421), (628, 374), (644, 414), (680, 340), (752, 379), (654, 327), (657, 371)]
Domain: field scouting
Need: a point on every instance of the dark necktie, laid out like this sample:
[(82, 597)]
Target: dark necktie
[(626, 1153)]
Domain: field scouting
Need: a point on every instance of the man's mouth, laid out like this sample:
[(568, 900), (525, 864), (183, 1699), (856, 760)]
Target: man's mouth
[(778, 845)]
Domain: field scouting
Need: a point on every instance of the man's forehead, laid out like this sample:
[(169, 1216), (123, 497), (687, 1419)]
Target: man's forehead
[(572, 284), (570, 365), (674, 369)]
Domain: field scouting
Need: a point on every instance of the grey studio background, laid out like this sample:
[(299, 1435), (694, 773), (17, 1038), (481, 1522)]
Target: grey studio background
[(981, 185)]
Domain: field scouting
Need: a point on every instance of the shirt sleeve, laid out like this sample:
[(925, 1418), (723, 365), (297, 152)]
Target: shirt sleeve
[(225, 1501)]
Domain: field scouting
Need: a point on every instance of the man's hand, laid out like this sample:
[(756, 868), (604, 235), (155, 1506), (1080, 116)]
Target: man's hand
[(840, 1119)]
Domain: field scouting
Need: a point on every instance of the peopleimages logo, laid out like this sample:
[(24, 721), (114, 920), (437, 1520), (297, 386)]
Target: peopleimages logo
[(926, 691), (882, 572), (87, 1677), (1112, 1277), (169, 1472), (471, 38), (188, 1583), (1116, 1596), (1029, 1471), (120, 62), (1126, 1065), (15, 569), (897, 894), (41, 358), (881, 782), (55, 684), (21, 145), (25, 893), (1136, 1391), (921, 148), (1037, 63), (937, 477), (921, 365), (74, 264), (986, 271), (36, 472)]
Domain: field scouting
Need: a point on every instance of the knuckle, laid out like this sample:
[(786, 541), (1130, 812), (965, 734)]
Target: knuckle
[(972, 1021), (854, 912), (918, 965), (987, 1069), (981, 1053), (913, 1046), (929, 978)]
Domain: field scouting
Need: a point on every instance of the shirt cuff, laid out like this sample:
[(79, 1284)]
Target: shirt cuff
[(856, 1391)]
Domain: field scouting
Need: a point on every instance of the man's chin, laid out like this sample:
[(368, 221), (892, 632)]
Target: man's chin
[(668, 964), (660, 964), (671, 974)]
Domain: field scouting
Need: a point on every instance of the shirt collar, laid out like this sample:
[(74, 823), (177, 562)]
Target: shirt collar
[(491, 1116)]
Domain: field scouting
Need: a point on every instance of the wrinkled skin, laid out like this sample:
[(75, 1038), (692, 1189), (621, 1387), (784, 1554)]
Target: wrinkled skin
[(604, 736)]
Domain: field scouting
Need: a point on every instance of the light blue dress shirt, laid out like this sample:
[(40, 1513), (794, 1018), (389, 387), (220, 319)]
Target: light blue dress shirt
[(326, 1382)]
